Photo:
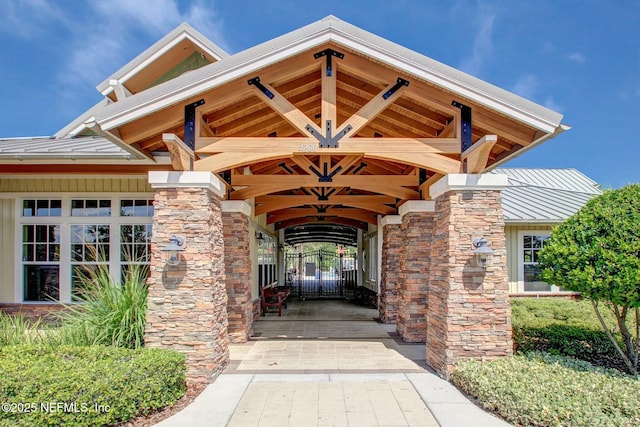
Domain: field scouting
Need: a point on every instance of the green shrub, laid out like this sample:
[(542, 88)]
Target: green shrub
[(546, 390), (127, 382), (15, 329), (109, 313), (562, 327)]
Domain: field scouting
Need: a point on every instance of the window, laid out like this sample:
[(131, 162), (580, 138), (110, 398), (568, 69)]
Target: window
[(91, 208), (531, 246), (47, 207), (41, 262), (135, 246), (89, 249), (267, 254), (61, 239), (372, 258)]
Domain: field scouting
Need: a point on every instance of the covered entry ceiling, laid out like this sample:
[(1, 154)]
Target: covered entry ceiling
[(319, 232), (328, 124)]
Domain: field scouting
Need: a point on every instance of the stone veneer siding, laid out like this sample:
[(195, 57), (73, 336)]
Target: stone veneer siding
[(187, 305), (237, 260), (391, 248), (469, 313), (413, 286)]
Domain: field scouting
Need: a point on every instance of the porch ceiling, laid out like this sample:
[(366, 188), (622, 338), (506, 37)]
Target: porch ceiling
[(391, 131)]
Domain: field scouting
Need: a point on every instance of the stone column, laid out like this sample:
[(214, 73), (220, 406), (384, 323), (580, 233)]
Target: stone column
[(415, 264), (390, 260), (469, 313), (237, 261), (187, 303)]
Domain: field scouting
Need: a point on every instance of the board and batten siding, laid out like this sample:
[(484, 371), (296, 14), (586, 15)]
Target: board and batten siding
[(127, 184), (513, 246), (7, 244), (47, 184)]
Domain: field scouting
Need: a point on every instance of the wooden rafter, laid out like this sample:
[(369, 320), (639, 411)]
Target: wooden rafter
[(329, 112), (327, 220), (287, 110), (356, 214), (374, 203), (396, 191)]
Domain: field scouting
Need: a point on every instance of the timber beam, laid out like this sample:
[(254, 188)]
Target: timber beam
[(475, 158), (182, 157)]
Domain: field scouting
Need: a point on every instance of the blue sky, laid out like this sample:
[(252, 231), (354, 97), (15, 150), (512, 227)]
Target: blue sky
[(580, 58)]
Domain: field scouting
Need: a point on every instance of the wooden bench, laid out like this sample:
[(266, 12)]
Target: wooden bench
[(274, 296)]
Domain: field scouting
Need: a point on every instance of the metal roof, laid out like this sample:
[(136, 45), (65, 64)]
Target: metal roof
[(59, 148), (544, 195), (319, 232), (329, 29)]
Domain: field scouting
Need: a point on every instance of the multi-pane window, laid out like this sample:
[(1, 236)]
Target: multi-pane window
[(267, 259), (41, 207), (90, 245), (372, 258), (91, 207), (41, 262), (135, 246), (63, 239), (40, 250), (136, 207), (531, 246)]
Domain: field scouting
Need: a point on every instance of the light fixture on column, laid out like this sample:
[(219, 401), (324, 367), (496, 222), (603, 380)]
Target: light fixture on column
[(482, 253), (176, 244), (259, 236)]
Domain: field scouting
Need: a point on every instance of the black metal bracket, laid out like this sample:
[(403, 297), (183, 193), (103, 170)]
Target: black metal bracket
[(359, 168), (284, 166), (329, 141), (465, 125), (256, 82), (190, 123), (399, 83), (329, 53), (324, 195), (422, 176), (326, 176)]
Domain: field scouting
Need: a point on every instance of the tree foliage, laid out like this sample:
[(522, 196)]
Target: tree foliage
[(597, 252)]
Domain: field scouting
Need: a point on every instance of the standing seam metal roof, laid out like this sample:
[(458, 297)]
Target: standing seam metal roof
[(545, 195)]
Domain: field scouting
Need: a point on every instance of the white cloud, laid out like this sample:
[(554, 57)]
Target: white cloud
[(482, 43), (551, 104), (27, 18), (577, 57), (97, 50), (526, 86)]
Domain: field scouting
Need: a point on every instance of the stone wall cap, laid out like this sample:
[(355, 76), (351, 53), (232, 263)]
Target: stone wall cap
[(463, 181), (411, 206), (187, 179), (390, 219), (239, 206)]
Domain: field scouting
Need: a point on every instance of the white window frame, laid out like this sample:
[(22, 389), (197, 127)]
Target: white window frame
[(521, 234), (65, 221)]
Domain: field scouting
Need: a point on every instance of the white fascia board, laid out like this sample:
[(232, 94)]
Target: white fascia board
[(75, 159), (464, 181), (446, 82), (187, 179), (191, 89), (315, 37)]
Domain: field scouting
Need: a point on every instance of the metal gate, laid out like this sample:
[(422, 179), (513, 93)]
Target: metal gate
[(321, 274)]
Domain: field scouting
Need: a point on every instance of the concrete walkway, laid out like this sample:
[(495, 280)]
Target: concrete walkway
[(303, 371)]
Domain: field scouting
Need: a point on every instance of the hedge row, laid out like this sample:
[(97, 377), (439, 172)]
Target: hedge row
[(80, 386), (546, 390)]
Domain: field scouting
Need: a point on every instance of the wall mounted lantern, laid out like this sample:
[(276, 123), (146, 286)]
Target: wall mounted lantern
[(259, 236), (176, 244), (482, 253)]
